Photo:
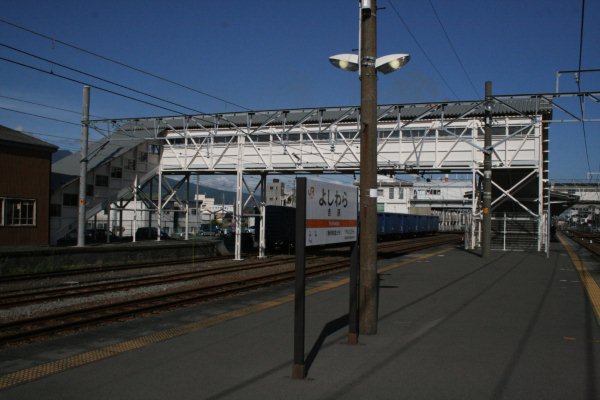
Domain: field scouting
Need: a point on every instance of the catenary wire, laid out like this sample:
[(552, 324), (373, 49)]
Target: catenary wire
[(88, 84), (422, 49), (40, 116), (454, 49), (99, 78), (47, 106), (65, 142), (105, 58), (65, 138), (52, 73), (587, 156), (99, 130)]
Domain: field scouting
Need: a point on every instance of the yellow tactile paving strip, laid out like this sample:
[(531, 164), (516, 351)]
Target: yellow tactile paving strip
[(54, 367), (591, 286)]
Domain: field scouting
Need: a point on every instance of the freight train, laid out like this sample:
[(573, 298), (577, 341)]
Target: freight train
[(280, 223)]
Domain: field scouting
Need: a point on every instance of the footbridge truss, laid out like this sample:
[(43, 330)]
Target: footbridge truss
[(445, 137)]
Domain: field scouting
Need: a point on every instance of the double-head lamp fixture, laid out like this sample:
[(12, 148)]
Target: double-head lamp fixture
[(384, 64)]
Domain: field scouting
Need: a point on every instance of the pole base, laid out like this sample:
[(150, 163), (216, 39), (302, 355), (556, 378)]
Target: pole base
[(353, 338), (298, 371)]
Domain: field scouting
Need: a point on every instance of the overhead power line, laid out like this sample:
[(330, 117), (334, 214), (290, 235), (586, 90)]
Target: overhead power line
[(122, 64), (98, 78), (47, 106), (102, 132), (40, 116), (454, 49), (578, 79), (64, 141), (422, 49), (65, 138), (89, 84)]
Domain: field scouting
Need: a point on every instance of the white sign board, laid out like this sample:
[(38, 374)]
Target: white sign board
[(331, 213)]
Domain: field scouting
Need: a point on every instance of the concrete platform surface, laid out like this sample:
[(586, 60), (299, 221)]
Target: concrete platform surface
[(451, 326)]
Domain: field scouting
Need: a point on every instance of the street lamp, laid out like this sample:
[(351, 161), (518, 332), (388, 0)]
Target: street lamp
[(368, 65), (347, 62), (384, 64)]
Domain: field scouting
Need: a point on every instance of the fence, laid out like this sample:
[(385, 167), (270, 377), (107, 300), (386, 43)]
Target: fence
[(510, 232)]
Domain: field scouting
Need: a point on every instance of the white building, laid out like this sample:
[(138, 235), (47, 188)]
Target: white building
[(443, 197), (113, 169), (443, 137), (393, 195)]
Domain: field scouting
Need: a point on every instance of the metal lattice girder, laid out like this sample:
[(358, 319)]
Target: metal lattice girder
[(508, 193), (421, 145), (440, 136)]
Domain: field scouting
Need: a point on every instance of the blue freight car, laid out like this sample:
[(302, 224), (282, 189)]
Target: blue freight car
[(280, 227), (393, 225)]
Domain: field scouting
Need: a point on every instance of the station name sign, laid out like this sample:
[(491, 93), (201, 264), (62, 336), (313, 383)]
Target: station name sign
[(331, 213)]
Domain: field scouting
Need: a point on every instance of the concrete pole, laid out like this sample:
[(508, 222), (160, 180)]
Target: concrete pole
[(159, 210), (187, 207), (85, 124), (261, 226), (135, 207), (487, 175), (238, 193), (549, 227), (238, 214), (369, 290)]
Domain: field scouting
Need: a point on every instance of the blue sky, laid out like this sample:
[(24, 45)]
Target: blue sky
[(273, 54)]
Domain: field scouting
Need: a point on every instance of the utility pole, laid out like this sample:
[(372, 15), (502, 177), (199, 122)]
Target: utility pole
[(369, 285), (85, 124), (487, 174)]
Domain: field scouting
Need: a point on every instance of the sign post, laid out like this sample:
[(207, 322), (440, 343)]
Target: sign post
[(325, 214), (300, 281)]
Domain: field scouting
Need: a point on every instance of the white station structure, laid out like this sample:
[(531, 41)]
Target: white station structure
[(431, 138)]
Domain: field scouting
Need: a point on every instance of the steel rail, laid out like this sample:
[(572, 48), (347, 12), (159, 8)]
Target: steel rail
[(22, 298), (22, 329)]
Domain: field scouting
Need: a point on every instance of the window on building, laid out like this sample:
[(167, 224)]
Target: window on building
[(392, 193), (153, 149), (116, 172), (18, 212), (379, 192), (102, 180), (89, 190), (70, 199), (130, 165)]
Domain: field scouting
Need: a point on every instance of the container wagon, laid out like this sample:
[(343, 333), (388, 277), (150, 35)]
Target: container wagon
[(280, 227)]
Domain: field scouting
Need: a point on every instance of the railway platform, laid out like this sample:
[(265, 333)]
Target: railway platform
[(45, 259), (451, 325)]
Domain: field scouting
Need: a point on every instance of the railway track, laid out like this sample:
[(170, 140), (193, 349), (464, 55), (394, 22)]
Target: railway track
[(209, 284), (396, 248), (590, 241), (44, 295), (62, 321), (116, 268)]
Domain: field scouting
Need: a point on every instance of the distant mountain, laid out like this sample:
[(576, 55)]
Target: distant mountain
[(60, 154), (221, 196)]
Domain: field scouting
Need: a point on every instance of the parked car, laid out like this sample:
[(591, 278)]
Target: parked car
[(90, 236), (150, 233)]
